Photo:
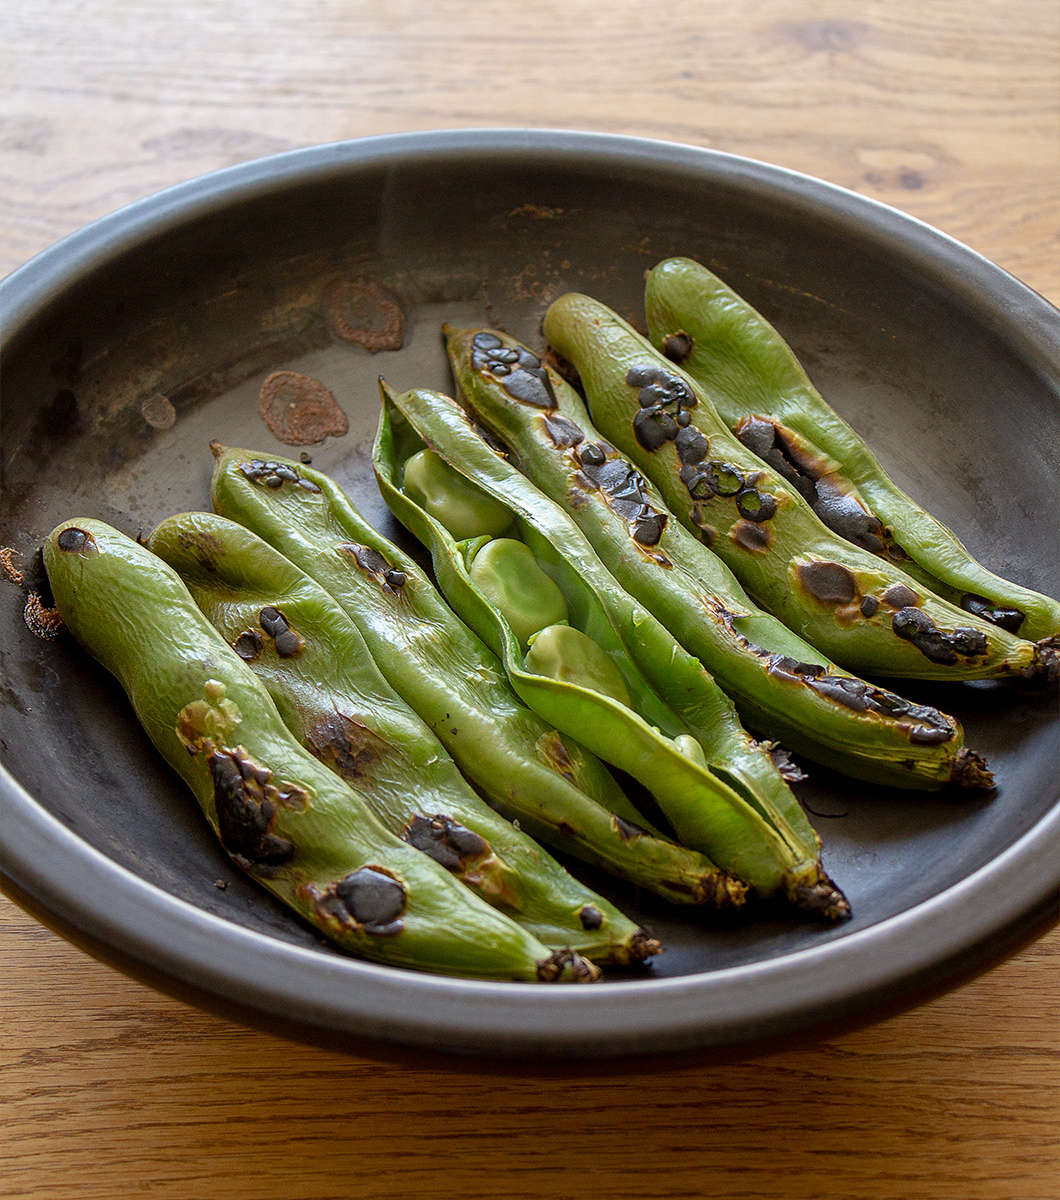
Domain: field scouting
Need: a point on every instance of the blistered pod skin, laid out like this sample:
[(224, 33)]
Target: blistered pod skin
[(335, 702), (737, 808), (857, 609), (782, 685), (558, 793), (766, 398), (282, 816)]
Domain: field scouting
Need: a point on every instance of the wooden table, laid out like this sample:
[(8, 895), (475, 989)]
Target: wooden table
[(950, 111)]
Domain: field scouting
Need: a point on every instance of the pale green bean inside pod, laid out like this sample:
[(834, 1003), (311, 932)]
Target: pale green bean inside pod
[(564, 653), (506, 571), (465, 510)]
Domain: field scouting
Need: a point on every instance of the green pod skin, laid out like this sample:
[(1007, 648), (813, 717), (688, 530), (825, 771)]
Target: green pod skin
[(754, 380), (559, 794), (317, 669), (735, 807), (292, 824), (857, 609), (781, 684)]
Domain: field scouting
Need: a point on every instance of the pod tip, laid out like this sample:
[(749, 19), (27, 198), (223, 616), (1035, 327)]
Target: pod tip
[(722, 890), (566, 966), (217, 448), (820, 897), (643, 945), (970, 771), (1046, 665)]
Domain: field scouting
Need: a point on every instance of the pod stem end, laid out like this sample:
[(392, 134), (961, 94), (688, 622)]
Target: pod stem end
[(566, 966), (820, 898), (970, 771)]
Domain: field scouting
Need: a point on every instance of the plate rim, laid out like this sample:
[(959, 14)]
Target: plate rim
[(740, 1003)]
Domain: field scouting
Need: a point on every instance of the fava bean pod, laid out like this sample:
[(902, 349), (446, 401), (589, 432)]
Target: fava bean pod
[(289, 822), (782, 686), (332, 697), (856, 608), (761, 391)]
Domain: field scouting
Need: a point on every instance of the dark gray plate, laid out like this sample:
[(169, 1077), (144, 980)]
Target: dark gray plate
[(180, 305)]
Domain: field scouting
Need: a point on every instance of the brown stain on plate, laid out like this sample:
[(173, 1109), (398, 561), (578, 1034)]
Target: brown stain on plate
[(299, 410), (364, 313)]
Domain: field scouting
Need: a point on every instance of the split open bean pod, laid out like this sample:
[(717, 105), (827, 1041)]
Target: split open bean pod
[(782, 685)]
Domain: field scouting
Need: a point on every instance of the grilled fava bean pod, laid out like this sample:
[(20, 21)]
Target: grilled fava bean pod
[(765, 397), (613, 676), (857, 609), (781, 684), (296, 827), (557, 792), (327, 688)]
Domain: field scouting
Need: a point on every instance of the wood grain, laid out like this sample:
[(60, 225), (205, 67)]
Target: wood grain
[(950, 111)]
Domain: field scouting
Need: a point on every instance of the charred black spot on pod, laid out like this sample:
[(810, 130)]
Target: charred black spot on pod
[(664, 400), (847, 516), (73, 540), (647, 530), (446, 841), (653, 428), (641, 374), (677, 346), (831, 583), (869, 606), (851, 693), (275, 474), (755, 505), (725, 478), (692, 445), (370, 560), (248, 645), (623, 488), (345, 744), (1009, 619), (929, 735), (781, 664), (590, 916), (628, 831), (916, 626), (566, 829), (708, 533), (272, 621), (898, 595), (563, 432), (757, 434), (289, 643), (245, 813), (750, 535), (923, 723), (375, 899), (531, 385)]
